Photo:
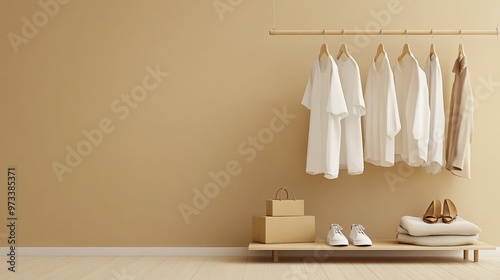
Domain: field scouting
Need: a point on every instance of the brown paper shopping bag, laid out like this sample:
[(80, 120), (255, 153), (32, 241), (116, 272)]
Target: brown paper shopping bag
[(284, 207)]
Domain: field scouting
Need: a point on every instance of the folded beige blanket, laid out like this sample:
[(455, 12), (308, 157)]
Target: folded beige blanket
[(415, 226), (438, 240)]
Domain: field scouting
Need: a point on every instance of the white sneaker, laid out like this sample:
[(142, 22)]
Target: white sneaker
[(358, 237), (335, 236)]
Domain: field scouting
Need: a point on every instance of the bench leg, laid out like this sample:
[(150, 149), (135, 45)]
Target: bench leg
[(476, 255), (275, 256), (466, 254)]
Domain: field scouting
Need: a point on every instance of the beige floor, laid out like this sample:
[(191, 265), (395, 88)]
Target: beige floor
[(220, 268)]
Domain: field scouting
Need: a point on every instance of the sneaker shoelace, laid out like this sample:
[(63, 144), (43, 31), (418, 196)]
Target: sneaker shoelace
[(336, 228), (359, 228)]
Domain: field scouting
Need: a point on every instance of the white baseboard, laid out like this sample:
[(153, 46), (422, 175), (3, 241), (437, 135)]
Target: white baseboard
[(129, 251), (220, 251)]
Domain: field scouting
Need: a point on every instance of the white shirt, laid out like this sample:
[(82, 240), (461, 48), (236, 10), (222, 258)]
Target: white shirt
[(435, 154), (351, 147), (324, 98), (382, 118), (413, 103)]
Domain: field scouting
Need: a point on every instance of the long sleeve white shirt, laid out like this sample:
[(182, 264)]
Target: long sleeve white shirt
[(435, 154), (412, 142)]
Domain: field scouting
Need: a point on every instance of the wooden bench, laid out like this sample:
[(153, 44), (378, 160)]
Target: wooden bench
[(379, 245)]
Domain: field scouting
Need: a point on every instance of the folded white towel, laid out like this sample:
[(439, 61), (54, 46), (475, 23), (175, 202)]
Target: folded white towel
[(415, 226), (438, 240)]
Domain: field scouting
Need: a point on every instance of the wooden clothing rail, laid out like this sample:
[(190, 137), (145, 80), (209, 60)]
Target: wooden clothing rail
[(381, 32)]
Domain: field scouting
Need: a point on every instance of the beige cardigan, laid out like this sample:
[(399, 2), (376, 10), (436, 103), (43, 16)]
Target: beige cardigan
[(460, 121)]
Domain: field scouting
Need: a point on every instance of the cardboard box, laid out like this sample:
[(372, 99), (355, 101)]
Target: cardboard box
[(292, 229), (288, 207)]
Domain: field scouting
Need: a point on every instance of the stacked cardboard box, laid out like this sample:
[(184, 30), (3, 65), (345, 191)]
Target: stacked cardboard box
[(284, 222)]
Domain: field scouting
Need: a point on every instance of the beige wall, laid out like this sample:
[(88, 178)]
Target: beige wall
[(227, 79)]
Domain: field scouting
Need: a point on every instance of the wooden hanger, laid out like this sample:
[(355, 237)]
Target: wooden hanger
[(461, 52), (432, 52), (323, 50), (380, 50), (406, 51), (324, 47), (343, 50)]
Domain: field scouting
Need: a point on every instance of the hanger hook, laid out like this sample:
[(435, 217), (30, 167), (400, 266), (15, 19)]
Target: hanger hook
[(406, 35), (432, 35), (324, 35), (343, 32), (380, 36), (460, 35)]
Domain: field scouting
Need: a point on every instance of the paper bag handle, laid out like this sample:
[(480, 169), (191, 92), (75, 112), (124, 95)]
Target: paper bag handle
[(280, 191)]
